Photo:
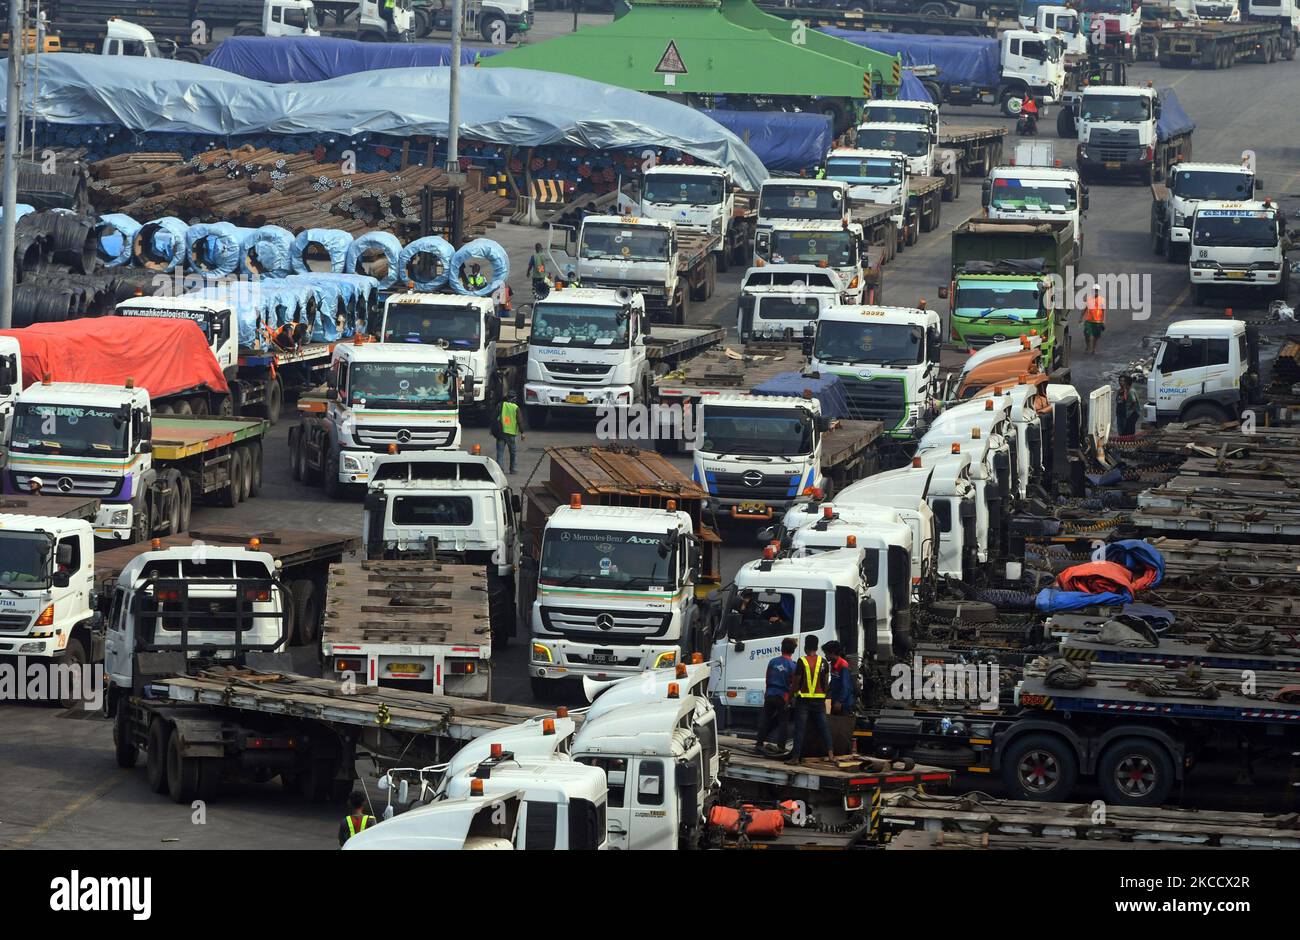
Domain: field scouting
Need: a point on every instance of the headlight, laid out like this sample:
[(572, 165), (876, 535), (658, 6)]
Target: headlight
[(351, 463), (120, 517), (1205, 264), (31, 648), (541, 652), (665, 659), (1180, 219)]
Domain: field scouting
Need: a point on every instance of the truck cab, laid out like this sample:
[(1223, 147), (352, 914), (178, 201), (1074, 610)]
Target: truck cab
[(1121, 21), (1288, 11), (915, 142), (834, 245), (828, 594), (630, 253), (123, 38), (699, 198), (11, 380), (994, 308), (1117, 129), (1025, 191), (888, 111), (47, 571), (586, 350), (1223, 11), (1202, 369), (951, 496), (780, 301), (1186, 185), (1031, 62), (873, 175), (466, 327), (615, 593), (1060, 21), (758, 453), (784, 200), (289, 18), (1238, 245), (379, 396), (887, 359)]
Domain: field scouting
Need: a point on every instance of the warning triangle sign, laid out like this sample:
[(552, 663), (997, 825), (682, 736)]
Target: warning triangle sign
[(671, 61)]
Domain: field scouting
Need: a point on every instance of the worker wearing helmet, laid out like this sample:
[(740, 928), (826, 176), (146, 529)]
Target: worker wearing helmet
[(1094, 320)]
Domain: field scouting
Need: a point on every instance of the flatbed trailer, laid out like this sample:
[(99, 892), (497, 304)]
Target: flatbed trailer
[(201, 447), (851, 451), (1211, 45), (1246, 508), (267, 378), (728, 369), (56, 507), (911, 819), (697, 264), (925, 199), (1257, 652), (887, 22), (411, 623), (303, 557), (979, 147), (879, 233)]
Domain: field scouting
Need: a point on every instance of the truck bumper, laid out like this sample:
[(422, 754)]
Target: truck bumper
[(113, 522), (1149, 414), (38, 647), (1236, 278), (355, 466), (749, 510), (559, 396), (564, 659), (1135, 164)]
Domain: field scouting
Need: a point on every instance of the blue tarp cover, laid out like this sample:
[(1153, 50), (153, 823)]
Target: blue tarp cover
[(783, 140), (114, 233), (386, 242), (214, 248), (962, 60), (1133, 554), (826, 388), (166, 242), (480, 250), (273, 246), (431, 244), (317, 58), (1173, 119), (335, 241), (522, 107)]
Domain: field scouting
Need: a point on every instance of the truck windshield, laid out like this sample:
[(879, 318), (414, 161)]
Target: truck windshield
[(911, 143), (433, 510), (780, 307), (456, 326), (683, 190), (302, 19), (411, 385), (573, 325), (757, 431), (1041, 195), (796, 201), (24, 560), (872, 171), (885, 344), (794, 247), (1203, 184), (627, 243), (896, 114), (1127, 109), (602, 559), (69, 430), (1236, 230), (996, 301)]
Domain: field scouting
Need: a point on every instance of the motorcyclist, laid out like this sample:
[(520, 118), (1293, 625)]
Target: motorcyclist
[(1029, 115)]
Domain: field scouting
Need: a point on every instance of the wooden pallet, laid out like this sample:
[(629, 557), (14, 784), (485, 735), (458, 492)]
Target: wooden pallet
[(407, 602)]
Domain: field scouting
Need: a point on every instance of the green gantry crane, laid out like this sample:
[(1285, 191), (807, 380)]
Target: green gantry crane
[(698, 50)]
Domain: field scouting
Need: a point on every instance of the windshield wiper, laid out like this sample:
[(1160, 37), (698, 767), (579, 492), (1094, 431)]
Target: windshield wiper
[(565, 582)]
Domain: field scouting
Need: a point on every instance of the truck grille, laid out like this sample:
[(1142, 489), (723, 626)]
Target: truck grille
[(68, 484), (579, 372), (15, 623), (1114, 146), (407, 437), (876, 399), (579, 623), (770, 486)]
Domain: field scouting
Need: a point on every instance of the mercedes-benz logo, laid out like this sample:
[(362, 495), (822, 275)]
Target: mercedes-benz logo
[(403, 436), (752, 478), (605, 622), (65, 484)]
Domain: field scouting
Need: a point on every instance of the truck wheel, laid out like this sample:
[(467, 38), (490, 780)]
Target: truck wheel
[(141, 524), (183, 773), (255, 469), (124, 749), (306, 612), (488, 26), (934, 9), (420, 23), (187, 504), (226, 407), (246, 471), (935, 216), (1204, 410), (913, 233), (162, 410), (274, 406), (316, 781), (723, 260), (174, 511), (199, 406), (183, 407), (1135, 772), (295, 459), (155, 755), (1040, 767), (1065, 128), (330, 477), (536, 416), (1157, 238), (74, 655), (1009, 102)]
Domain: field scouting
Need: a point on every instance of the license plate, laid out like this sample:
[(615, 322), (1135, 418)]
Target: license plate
[(605, 657), (1112, 166), (753, 698), (1234, 274), (575, 399)]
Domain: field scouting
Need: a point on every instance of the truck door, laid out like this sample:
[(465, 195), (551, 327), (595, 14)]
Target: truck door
[(74, 556), (1180, 370), (654, 805), (1220, 376), (117, 644), (618, 807), (750, 636)]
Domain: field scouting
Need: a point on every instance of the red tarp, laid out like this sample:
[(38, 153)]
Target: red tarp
[(1101, 577), (163, 356)]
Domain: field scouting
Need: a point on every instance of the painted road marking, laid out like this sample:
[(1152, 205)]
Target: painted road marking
[(72, 808)]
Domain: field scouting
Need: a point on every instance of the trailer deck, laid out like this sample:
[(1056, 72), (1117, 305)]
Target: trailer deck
[(1180, 652), (847, 440), (846, 774), (728, 369), (400, 604), (1223, 506), (980, 146), (1216, 45), (176, 437), (55, 507), (670, 343)]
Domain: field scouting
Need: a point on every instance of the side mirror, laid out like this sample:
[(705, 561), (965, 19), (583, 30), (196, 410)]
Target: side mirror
[(519, 319), (1083, 201), (62, 579), (943, 292), (404, 792), (1259, 184), (767, 533), (823, 423), (516, 503), (6, 389), (493, 328), (467, 388), (986, 193), (146, 447), (738, 646)]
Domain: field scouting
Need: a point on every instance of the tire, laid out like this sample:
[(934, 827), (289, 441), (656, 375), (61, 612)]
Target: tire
[(155, 755), (315, 782), (74, 654), (306, 612), (1202, 410), (1040, 767), (274, 406), (187, 504), (969, 611), (681, 310), (227, 407), (174, 516), (723, 261), (913, 233), (183, 407), (246, 471), (229, 495), (1065, 127), (934, 91), (125, 751), (1135, 772), (1157, 240), (255, 469), (200, 406), (933, 9), (1005, 102), (163, 410), (421, 24), (485, 27), (141, 525), (295, 460), (330, 477), (184, 774)]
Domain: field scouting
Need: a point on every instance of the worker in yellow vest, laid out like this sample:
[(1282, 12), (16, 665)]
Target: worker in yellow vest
[(356, 820), (508, 431), (1094, 320), (812, 679)]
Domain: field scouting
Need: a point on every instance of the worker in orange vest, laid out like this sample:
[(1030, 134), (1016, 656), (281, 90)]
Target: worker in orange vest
[(1094, 320)]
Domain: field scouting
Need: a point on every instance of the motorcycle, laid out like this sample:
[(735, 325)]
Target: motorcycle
[(1027, 124)]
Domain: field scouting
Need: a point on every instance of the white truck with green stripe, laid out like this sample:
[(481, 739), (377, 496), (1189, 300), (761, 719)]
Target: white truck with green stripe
[(615, 593), (379, 398), (887, 359)]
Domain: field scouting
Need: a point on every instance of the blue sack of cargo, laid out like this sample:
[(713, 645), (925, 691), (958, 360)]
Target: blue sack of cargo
[(479, 251), (425, 262), (213, 248), (113, 236), (361, 255), (361, 291), (265, 252), (248, 302), (317, 246), (159, 244), (826, 388), (333, 309)]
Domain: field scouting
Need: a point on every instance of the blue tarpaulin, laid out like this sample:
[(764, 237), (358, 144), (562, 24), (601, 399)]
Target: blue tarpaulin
[(160, 242), (439, 248), (783, 140), (334, 241), (826, 388), (215, 247), (477, 252), (113, 235), (269, 247), (1173, 119), (317, 58), (375, 241), (961, 60), (1143, 561), (518, 107), (911, 89)]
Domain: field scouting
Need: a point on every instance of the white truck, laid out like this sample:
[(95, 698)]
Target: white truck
[(916, 143), (1061, 21), (283, 18), (1285, 11), (1120, 22), (615, 593), (1203, 369), (835, 245), (11, 380), (780, 301), (878, 176), (1122, 129), (1026, 190), (379, 397), (1238, 244), (888, 361), (701, 199), (1174, 200)]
